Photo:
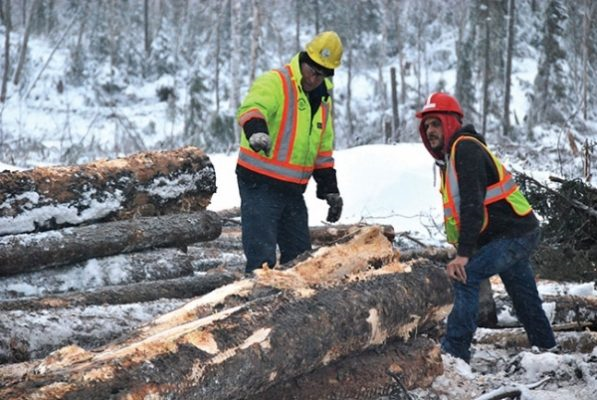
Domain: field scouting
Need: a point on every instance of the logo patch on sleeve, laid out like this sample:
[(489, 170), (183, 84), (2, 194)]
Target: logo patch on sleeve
[(319, 126)]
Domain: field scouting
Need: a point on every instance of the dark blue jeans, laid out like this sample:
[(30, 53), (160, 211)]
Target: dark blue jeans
[(510, 259), (272, 217)]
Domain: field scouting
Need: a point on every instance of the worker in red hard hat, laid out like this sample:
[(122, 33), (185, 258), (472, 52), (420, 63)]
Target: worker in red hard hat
[(489, 221)]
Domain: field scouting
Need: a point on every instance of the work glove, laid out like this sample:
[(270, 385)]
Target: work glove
[(260, 141), (335, 202)]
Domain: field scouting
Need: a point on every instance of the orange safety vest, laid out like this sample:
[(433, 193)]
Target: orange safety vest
[(505, 189)]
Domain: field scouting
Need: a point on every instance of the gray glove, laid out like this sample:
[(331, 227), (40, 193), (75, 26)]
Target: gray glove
[(260, 141), (335, 202)]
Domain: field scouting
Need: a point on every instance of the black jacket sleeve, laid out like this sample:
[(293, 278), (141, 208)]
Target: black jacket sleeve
[(472, 169), (326, 182), (255, 125)]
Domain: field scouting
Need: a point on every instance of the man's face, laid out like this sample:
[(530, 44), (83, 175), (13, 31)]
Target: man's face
[(435, 133), (312, 78)]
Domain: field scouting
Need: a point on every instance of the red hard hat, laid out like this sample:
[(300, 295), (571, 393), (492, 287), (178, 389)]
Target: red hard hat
[(440, 102)]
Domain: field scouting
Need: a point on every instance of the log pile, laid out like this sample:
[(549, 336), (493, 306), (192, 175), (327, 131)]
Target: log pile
[(351, 319), (252, 335), (103, 220), (179, 319), (145, 184)]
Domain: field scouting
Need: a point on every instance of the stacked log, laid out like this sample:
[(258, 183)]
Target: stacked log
[(145, 184), (245, 338), (24, 253)]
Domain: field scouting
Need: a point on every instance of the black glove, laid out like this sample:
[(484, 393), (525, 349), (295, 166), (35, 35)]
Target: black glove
[(335, 202), (260, 141)]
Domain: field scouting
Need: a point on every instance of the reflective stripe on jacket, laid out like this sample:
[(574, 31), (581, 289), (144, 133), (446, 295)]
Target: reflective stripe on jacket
[(505, 189), (300, 143)]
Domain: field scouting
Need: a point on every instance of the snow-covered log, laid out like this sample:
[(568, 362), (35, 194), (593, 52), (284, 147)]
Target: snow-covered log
[(26, 335), (123, 269), (144, 184), (29, 252), (565, 309), (178, 288), (307, 317)]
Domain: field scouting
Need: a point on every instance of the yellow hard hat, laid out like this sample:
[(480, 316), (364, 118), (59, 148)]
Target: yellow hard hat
[(326, 49)]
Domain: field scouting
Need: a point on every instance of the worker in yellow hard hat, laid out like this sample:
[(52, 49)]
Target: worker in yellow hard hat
[(287, 137)]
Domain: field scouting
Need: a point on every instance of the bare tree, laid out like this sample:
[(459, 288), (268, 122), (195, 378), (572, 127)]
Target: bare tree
[(23, 51), (220, 11), (235, 22), (486, 76), (587, 21), (297, 22), (24, 12), (255, 37), (508, 77), (349, 117), (8, 27), (146, 28), (395, 115), (316, 8)]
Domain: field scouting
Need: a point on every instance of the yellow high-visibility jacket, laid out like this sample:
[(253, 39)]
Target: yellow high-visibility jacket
[(300, 144)]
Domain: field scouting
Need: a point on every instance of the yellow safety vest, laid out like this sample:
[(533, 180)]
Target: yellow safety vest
[(300, 143), (505, 189)]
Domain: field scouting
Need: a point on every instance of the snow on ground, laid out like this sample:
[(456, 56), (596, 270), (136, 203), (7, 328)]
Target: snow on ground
[(383, 184), (387, 184)]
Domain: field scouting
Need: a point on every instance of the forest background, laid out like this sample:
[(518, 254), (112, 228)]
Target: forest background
[(105, 78)]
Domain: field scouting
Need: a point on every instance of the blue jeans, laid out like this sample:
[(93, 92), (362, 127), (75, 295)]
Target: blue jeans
[(272, 217), (510, 259)]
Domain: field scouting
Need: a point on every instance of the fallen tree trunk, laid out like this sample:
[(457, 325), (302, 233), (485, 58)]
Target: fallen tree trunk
[(178, 288), (27, 328), (324, 235), (236, 352), (242, 350), (388, 371), (329, 234), (36, 334), (144, 184), (323, 266), (568, 342), (123, 269), (23, 253), (569, 310)]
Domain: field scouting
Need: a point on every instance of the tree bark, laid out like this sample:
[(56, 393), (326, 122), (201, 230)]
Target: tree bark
[(23, 51), (123, 269), (7, 29), (178, 288), (245, 350), (305, 321), (568, 342), (329, 234), (571, 310), (36, 334), (144, 184), (146, 38), (104, 322), (24, 253), (508, 77), (371, 374), (486, 78)]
